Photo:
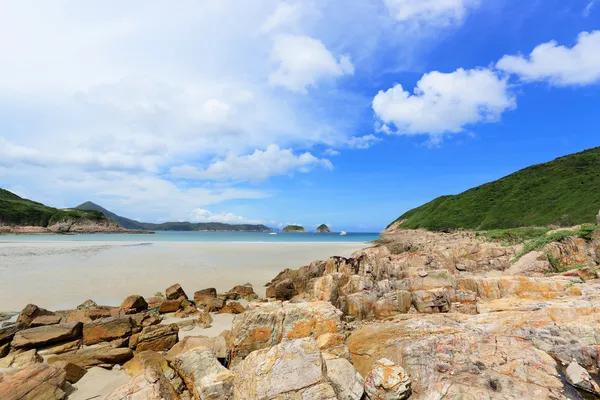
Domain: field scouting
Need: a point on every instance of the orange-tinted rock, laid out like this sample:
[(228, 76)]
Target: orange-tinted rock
[(30, 312), (169, 306), (74, 371), (45, 335), (205, 295), (232, 307), (91, 356), (157, 338), (134, 303), (41, 381), (44, 320), (149, 384), (174, 292), (107, 329)]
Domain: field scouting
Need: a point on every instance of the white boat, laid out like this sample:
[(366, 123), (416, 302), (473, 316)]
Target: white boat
[(343, 233), (272, 233)]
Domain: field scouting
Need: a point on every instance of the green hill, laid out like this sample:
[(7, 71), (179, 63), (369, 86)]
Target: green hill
[(323, 229), (565, 192), (122, 221), (16, 211), (293, 228), (172, 226)]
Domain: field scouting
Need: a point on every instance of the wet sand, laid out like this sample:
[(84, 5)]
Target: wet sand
[(61, 275)]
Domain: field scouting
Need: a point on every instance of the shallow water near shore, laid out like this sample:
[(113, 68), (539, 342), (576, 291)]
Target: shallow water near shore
[(61, 274), (209, 237)]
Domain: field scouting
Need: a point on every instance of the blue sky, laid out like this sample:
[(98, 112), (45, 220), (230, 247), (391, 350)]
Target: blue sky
[(340, 112)]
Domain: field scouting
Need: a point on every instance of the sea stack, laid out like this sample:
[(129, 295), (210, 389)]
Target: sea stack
[(323, 229), (294, 229)]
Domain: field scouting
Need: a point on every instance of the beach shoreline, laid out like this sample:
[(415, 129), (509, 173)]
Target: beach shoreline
[(63, 274)]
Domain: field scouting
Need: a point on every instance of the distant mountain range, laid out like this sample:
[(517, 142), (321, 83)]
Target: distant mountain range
[(565, 191), (173, 226)]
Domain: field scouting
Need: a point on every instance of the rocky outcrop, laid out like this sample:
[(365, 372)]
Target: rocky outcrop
[(203, 375), (580, 378), (41, 381), (134, 304), (157, 338), (45, 335), (107, 329), (91, 356), (387, 380), (265, 325), (149, 384), (274, 373), (174, 292)]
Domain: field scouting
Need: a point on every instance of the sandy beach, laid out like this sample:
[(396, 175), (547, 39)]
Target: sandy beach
[(61, 275)]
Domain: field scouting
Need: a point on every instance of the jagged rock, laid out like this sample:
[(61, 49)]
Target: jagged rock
[(174, 292), (106, 329), (8, 332), (95, 355), (245, 291), (347, 383), (146, 360), (87, 304), (264, 325), (134, 303), (21, 359), (4, 349), (580, 378), (203, 375), (534, 262), (45, 335), (74, 371), (169, 306), (89, 314), (157, 338), (232, 307), (334, 345), (204, 296), (275, 373), (142, 320), (393, 303), (30, 312), (283, 290), (149, 384), (431, 301), (387, 381), (217, 345), (447, 355), (213, 305), (39, 382), (44, 320)]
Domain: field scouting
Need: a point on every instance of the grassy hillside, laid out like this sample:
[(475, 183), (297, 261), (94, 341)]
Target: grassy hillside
[(563, 192), (122, 221), (17, 211), (293, 228)]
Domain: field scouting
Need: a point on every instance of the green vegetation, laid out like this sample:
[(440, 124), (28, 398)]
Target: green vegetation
[(17, 211), (172, 226), (323, 229), (510, 237), (539, 242), (122, 221), (562, 192), (293, 228)]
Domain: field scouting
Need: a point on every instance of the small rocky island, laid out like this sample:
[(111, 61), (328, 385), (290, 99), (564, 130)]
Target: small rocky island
[(323, 229), (294, 229)]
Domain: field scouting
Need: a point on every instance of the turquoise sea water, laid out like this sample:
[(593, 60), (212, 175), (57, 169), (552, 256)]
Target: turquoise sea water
[(197, 237)]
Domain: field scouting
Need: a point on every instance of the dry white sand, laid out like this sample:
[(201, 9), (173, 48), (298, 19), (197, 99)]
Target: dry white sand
[(61, 275)]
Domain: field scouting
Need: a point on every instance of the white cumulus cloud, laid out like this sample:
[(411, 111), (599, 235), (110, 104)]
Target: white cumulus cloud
[(203, 215), (559, 65), (257, 166), (303, 61), (444, 102)]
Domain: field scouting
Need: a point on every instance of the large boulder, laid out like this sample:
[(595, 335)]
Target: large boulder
[(95, 355), (21, 359), (347, 383), (293, 369), (145, 360), (44, 320), (74, 371), (204, 296), (174, 292), (30, 312), (264, 325), (106, 329), (44, 335), (387, 381), (39, 382), (149, 384), (8, 332), (283, 290), (580, 378), (217, 345), (245, 291), (134, 304), (157, 337), (169, 306), (534, 262), (204, 375)]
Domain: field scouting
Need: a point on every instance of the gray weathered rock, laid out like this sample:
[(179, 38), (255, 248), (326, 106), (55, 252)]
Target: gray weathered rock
[(387, 381), (203, 375), (149, 384), (39, 382), (580, 378), (347, 383)]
